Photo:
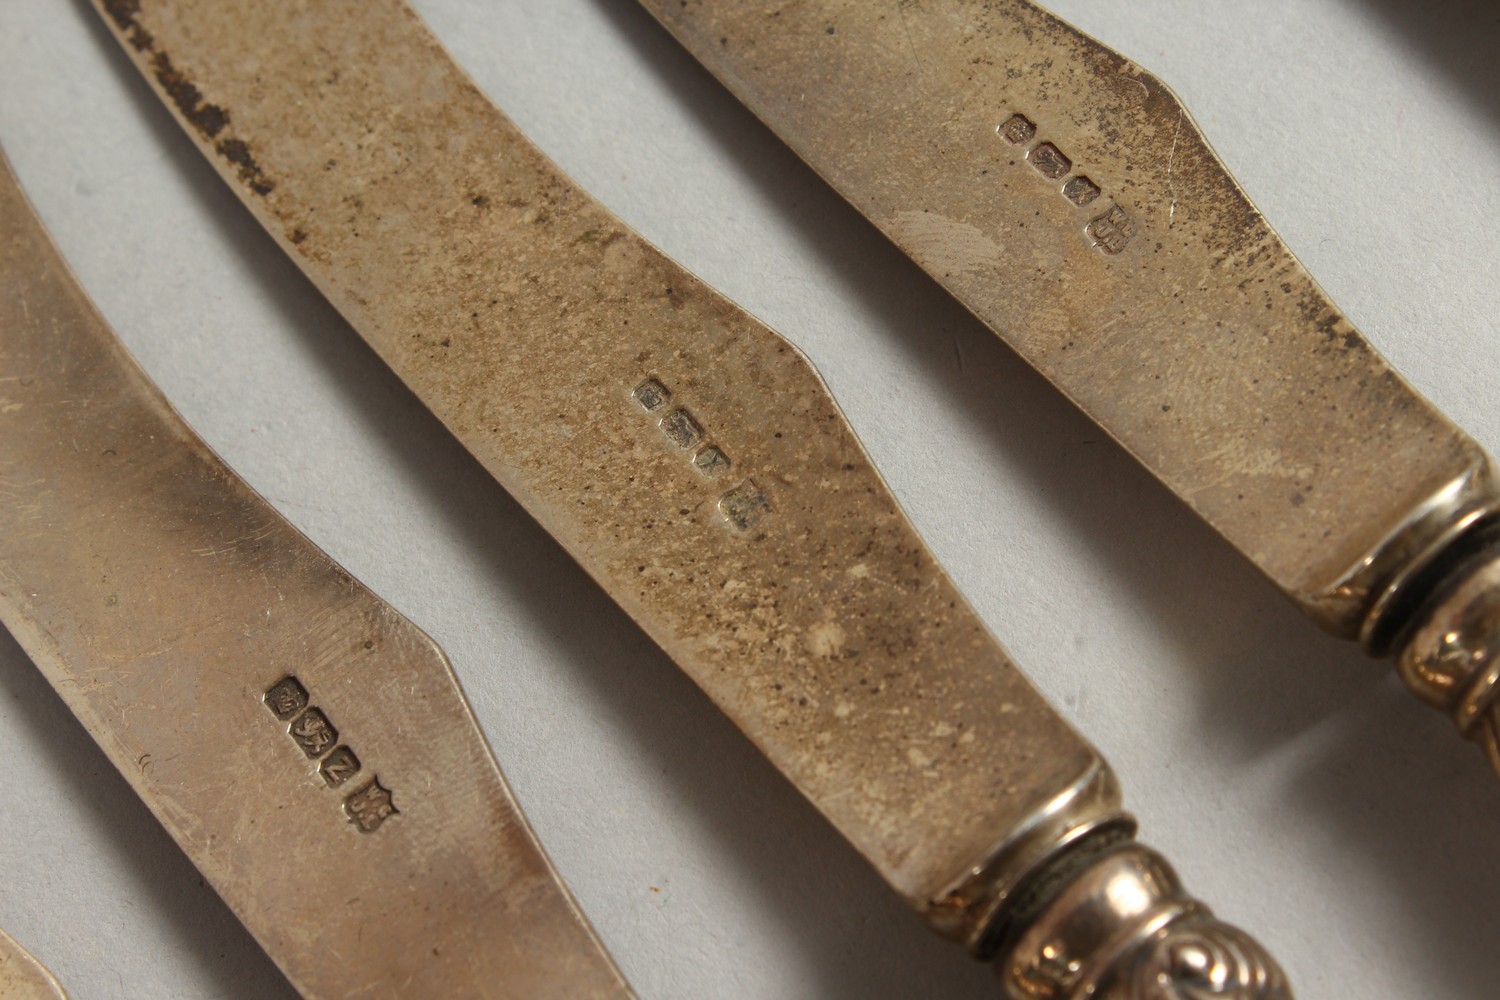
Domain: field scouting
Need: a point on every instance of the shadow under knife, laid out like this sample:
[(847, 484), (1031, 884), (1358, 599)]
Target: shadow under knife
[(1457, 37), (853, 933)]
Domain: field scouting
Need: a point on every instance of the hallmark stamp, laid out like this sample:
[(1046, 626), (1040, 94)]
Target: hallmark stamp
[(1081, 191), (652, 395), (309, 728), (710, 461), (314, 733), (1017, 130), (681, 429), (286, 698), (1111, 231), (745, 505), (339, 766), (369, 806), (1050, 161)]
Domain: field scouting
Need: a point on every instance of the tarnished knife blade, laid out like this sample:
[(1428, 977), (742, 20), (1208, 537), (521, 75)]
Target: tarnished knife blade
[(22, 977), (694, 463), (1065, 196), (687, 456), (307, 746)]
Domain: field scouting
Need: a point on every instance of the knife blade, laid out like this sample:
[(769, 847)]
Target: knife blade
[(1100, 563), (1065, 196), (692, 462), (22, 977), (307, 747)]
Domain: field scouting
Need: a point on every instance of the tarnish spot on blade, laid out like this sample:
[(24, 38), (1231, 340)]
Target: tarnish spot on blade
[(123, 13), (944, 245), (237, 151), (208, 118)]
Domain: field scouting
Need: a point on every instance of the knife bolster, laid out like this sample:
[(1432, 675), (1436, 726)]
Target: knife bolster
[(975, 909), (1420, 561), (1116, 924), (1371, 596), (1431, 593)]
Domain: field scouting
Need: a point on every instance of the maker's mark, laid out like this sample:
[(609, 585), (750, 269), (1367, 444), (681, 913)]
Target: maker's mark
[(370, 806)]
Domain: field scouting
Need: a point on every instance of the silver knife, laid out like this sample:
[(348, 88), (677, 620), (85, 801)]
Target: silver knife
[(307, 747), (694, 464), (1064, 195), (22, 977)]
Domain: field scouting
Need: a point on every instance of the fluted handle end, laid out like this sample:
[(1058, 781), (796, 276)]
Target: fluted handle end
[(1124, 929), (1451, 659)]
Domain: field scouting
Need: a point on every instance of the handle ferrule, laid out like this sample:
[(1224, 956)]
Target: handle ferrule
[(1123, 928)]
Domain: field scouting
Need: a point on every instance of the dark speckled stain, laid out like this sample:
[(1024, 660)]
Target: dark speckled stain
[(237, 151), (123, 13), (208, 118)]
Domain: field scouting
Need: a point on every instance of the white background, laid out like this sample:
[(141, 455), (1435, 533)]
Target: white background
[(1296, 786)]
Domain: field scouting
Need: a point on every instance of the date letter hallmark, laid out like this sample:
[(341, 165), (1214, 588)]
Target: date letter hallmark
[(743, 506), (368, 806), (339, 766), (711, 462), (1109, 233)]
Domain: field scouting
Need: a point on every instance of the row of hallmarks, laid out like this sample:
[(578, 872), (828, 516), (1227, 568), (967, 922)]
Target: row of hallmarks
[(369, 805), (1109, 232), (745, 504)]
